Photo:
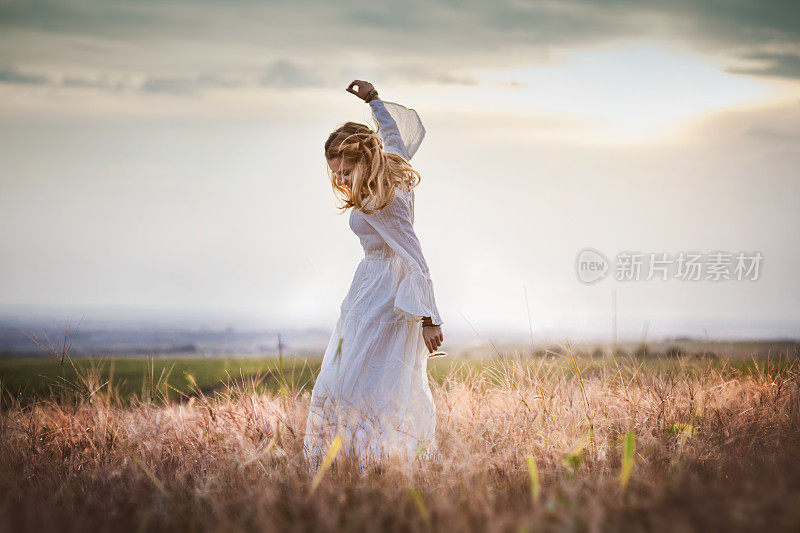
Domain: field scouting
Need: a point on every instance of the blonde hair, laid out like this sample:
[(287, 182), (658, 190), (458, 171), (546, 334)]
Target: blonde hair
[(375, 173)]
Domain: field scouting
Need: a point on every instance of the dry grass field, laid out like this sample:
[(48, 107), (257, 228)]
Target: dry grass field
[(524, 444)]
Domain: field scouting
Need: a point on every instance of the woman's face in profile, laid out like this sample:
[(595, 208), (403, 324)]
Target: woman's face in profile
[(342, 176)]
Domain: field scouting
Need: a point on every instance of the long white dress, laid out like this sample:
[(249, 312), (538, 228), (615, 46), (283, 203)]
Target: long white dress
[(372, 389)]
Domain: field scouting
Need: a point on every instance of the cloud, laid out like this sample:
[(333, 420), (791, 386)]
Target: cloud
[(773, 135), (421, 73), (773, 65), (97, 17), (174, 85), (774, 128), (283, 73), (173, 44), (95, 82), (12, 75), (166, 85), (280, 73)]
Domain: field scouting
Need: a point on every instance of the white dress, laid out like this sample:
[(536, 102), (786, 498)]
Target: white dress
[(372, 389)]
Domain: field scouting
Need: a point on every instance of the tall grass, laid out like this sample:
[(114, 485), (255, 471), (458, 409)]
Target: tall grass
[(523, 444)]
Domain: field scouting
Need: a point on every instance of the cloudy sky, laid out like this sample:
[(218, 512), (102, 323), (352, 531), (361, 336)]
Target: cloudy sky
[(167, 156)]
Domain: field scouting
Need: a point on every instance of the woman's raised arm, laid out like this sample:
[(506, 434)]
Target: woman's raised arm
[(400, 128), (389, 132)]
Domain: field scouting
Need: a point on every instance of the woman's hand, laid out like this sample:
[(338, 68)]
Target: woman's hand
[(433, 337), (364, 87)]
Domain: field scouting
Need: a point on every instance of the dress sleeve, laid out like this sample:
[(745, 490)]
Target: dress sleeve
[(415, 293), (400, 127)]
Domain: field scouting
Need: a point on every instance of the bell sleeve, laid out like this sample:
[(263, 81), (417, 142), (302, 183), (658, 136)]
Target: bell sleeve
[(415, 296), (400, 127)]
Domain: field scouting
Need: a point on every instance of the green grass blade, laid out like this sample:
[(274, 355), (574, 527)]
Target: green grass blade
[(533, 473), (423, 509), (627, 459), (327, 462)]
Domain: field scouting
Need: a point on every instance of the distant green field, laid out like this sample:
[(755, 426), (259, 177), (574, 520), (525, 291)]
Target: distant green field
[(41, 377), (162, 378)]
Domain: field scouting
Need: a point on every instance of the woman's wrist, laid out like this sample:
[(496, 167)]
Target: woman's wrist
[(372, 95), (427, 322)]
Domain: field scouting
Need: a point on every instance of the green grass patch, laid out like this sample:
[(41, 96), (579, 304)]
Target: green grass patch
[(26, 379)]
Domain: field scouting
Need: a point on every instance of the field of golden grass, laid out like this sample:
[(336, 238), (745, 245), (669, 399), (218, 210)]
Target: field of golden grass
[(525, 444)]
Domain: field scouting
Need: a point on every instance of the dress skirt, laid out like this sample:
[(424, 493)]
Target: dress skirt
[(372, 389)]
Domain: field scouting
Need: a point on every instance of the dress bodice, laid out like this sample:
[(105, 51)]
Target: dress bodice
[(371, 241)]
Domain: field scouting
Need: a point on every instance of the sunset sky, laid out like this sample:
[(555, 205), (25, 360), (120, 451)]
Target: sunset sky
[(166, 157)]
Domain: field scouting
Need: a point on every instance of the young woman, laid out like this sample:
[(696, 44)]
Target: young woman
[(373, 390)]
